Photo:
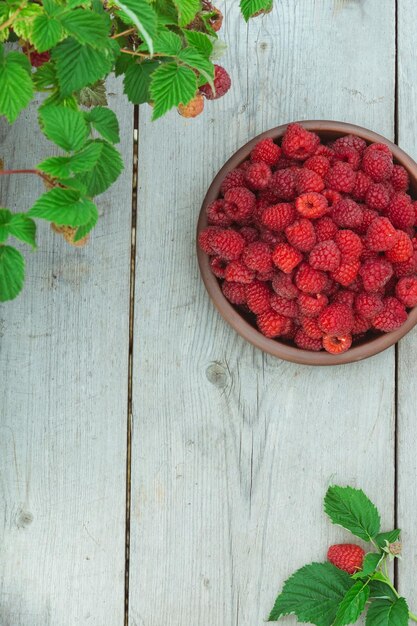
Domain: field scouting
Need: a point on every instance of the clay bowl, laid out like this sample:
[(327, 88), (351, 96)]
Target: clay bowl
[(242, 323)]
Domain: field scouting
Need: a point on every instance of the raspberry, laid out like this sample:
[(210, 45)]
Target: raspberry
[(381, 235), (377, 163), (268, 236), (286, 257), (380, 147), (192, 108), (352, 141), (282, 285), (216, 214), (347, 213), (37, 58), (257, 256), (345, 297), (221, 82), (323, 150), (375, 274), (278, 216), (298, 143), (361, 186), (257, 297), (346, 556), (227, 244), (310, 280), (218, 266), (401, 211), (311, 205), (301, 234), (406, 291), (325, 256), (318, 164), (258, 175), (399, 178), (377, 196), (368, 216), (402, 250), (311, 327), (312, 305), (285, 163), (249, 234), (331, 196), (271, 324), (307, 180), (205, 239), (360, 325), (341, 177), (289, 308), (337, 344), (406, 268), (283, 182), (347, 154), (289, 330), (305, 342), (234, 292), (266, 276), (392, 316), (237, 272), (349, 244), (368, 305), (235, 178), (266, 151), (240, 203), (325, 229), (269, 196), (336, 319), (346, 273)]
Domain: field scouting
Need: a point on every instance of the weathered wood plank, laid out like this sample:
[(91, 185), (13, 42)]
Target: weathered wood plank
[(64, 356), (233, 450)]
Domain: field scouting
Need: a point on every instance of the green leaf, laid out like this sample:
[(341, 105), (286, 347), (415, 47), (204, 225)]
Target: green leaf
[(105, 122), (143, 17), (12, 273), (45, 76), (65, 207), (23, 24), (93, 95), (47, 32), (86, 27), (82, 231), (63, 126), (200, 42), (390, 536), (5, 217), (370, 563), (78, 66), (74, 184), (171, 85), (106, 170), (313, 593), (352, 604), (82, 161), (387, 613), (137, 81), (23, 228), (250, 7), (58, 166), (353, 510), (193, 58), (187, 10), (167, 43), (16, 87), (379, 589)]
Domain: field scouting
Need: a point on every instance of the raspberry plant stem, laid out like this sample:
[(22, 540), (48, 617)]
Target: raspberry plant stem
[(36, 172), (125, 32), (11, 19)]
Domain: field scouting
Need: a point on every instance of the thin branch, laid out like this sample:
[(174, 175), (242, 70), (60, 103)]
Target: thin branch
[(10, 21), (36, 172), (125, 32)]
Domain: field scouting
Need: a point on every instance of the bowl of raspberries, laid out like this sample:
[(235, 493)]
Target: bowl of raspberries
[(307, 242)]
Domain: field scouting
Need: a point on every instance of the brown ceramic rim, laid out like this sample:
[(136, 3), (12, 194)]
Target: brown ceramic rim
[(327, 130)]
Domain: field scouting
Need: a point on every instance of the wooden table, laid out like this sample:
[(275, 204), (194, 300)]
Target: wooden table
[(132, 415)]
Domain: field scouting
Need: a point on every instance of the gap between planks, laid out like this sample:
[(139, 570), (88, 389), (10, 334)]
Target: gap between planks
[(396, 131)]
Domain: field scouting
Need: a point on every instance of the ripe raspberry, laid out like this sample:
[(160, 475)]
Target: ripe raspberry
[(218, 266), (37, 58), (337, 344), (240, 204), (311, 327), (310, 280), (349, 244), (331, 196), (377, 196), (257, 256), (311, 205), (257, 297), (402, 250), (235, 178), (205, 237), (341, 177), (298, 143), (283, 182), (325, 228), (307, 180), (346, 273), (406, 268), (268, 236), (351, 141), (347, 213), (312, 305), (380, 147), (347, 154), (368, 216), (249, 234), (266, 276), (361, 185), (271, 324), (227, 244), (325, 256), (318, 164), (258, 175), (234, 292), (216, 214), (406, 291), (392, 316), (269, 196), (346, 556), (305, 342), (301, 234), (324, 150), (289, 330), (361, 325), (399, 178), (282, 285), (266, 151), (221, 82), (381, 235), (285, 163), (289, 308), (237, 272), (336, 319), (278, 216), (344, 297), (286, 257), (192, 108), (377, 164), (368, 305), (401, 211), (375, 274)]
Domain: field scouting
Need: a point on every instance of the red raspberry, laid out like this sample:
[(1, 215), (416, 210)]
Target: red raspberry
[(375, 274), (234, 292), (346, 273), (307, 180), (361, 186), (205, 239), (311, 205), (283, 182), (285, 163), (260, 205), (216, 214), (352, 141), (325, 228), (310, 280), (278, 216), (227, 244), (289, 308), (392, 316), (377, 196), (380, 147), (406, 291), (337, 344), (258, 175), (290, 330), (381, 235), (301, 234), (406, 268), (268, 236), (218, 266), (325, 256), (266, 276), (311, 327), (377, 163), (298, 143), (347, 213), (257, 297), (305, 342), (336, 319), (348, 154), (282, 285), (243, 166), (237, 272), (37, 58), (249, 234), (331, 196), (269, 196), (399, 178), (286, 257), (402, 250), (257, 256), (345, 297), (235, 178), (240, 204), (401, 211), (221, 82), (346, 556), (368, 216), (318, 164), (312, 305), (349, 244), (326, 151), (266, 151), (271, 324), (361, 325), (356, 286), (368, 305), (341, 177)]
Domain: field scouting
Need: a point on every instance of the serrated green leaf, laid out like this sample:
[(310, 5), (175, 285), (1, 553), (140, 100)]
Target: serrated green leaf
[(352, 604), (171, 85), (166, 12), (390, 536), (5, 217), (73, 183), (52, 8), (105, 172), (137, 81), (57, 99), (86, 27), (193, 58), (370, 563), (141, 13), (187, 10), (200, 42), (23, 228), (123, 63), (105, 122), (82, 231), (45, 76), (313, 594), (250, 7), (47, 32), (23, 24), (352, 509), (63, 126), (58, 166), (82, 161), (167, 43), (12, 273), (16, 88), (387, 613), (379, 589), (65, 207)]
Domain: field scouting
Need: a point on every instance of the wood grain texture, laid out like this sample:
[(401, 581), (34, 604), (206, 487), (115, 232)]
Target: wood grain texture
[(64, 356), (233, 450)]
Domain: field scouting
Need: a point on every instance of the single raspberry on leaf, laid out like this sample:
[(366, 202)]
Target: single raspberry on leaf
[(192, 108), (283, 285), (257, 297), (218, 266), (289, 308), (377, 163), (299, 143), (325, 228), (311, 327), (286, 258), (234, 292), (257, 256), (310, 280), (381, 235), (227, 243), (258, 175), (217, 215), (303, 341), (346, 273), (336, 319), (325, 256), (278, 216), (311, 205), (401, 211), (341, 177), (361, 186), (306, 180), (375, 274), (240, 204), (301, 234), (377, 196), (402, 250), (311, 305), (284, 183), (271, 324), (238, 272), (205, 238), (406, 291), (399, 178), (347, 213), (352, 141), (266, 151), (368, 305), (337, 344), (235, 178), (349, 244), (392, 316), (318, 164), (221, 83)]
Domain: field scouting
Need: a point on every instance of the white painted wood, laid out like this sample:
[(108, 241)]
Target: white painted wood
[(232, 449), (64, 356)]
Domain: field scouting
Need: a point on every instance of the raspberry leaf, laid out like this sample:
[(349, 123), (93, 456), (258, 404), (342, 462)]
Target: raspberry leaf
[(23, 228), (313, 593), (5, 217), (390, 536), (250, 7), (47, 32), (352, 509), (105, 122), (82, 161), (194, 59), (63, 126), (352, 604), (12, 273), (171, 85), (16, 87), (86, 27), (383, 612), (168, 43), (45, 76), (83, 230), (137, 81), (199, 41), (379, 588), (187, 10), (65, 207), (370, 563), (105, 171), (143, 17)]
